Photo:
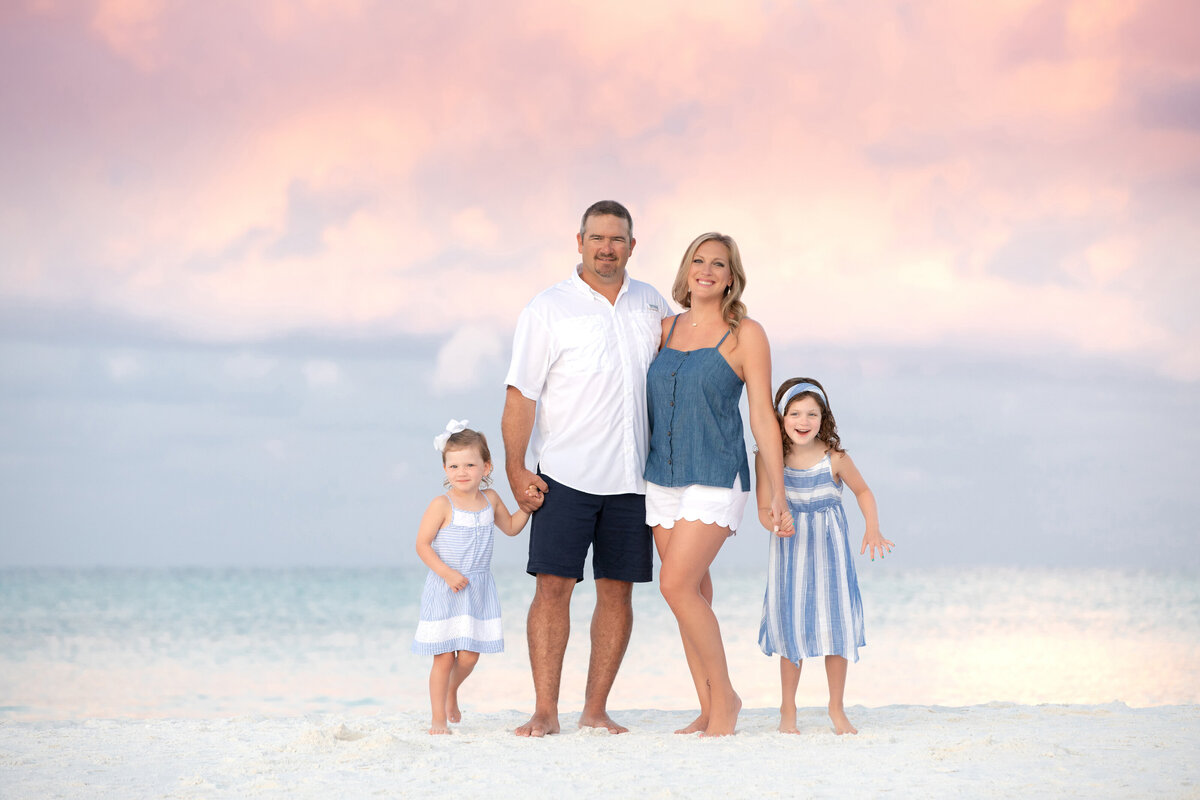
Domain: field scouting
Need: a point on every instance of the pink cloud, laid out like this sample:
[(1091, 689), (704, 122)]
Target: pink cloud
[(237, 170)]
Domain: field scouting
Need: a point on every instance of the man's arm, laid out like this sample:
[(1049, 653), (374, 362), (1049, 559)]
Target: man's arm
[(516, 426)]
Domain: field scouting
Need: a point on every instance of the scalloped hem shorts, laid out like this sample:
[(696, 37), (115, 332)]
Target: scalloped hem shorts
[(711, 504)]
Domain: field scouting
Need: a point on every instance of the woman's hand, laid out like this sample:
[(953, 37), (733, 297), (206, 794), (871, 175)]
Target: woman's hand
[(781, 517)]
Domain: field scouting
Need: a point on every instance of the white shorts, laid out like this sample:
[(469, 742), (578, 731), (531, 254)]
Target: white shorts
[(713, 505)]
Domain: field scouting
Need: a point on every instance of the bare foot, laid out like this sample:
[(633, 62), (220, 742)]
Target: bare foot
[(697, 725), (452, 712), (601, 720), (439, 730), (787, 720), (539, 725), (724, 724), (840, 723)]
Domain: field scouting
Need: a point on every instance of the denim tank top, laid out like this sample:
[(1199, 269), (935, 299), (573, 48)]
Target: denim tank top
[(695, 424)]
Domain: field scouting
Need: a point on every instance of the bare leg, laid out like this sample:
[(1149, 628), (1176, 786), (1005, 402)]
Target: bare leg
[(689, 553), (612, 623), (835, 674), (439, 680), (789, 677), (662, 536), (464, 663), (547, 628)]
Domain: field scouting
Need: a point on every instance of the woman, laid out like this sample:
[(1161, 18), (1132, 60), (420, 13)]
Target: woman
[(697, 473)]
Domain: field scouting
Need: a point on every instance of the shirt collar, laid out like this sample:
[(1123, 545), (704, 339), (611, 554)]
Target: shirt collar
[(578, 282)]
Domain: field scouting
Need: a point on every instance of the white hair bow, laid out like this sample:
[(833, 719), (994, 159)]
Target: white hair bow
[(452, 427)]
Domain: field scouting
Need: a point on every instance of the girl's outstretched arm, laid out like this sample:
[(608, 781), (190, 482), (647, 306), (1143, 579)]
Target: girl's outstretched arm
[(845, 471), (510, 524), (436, 517), (762, 492)]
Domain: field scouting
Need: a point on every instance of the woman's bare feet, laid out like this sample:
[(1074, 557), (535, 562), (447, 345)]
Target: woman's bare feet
[(723, 721), (787, 720), (696, 725), (539, 725), (841, 724), (438, 730)]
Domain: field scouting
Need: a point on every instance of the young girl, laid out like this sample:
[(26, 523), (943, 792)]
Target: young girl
[(812, 607), (460, 609)]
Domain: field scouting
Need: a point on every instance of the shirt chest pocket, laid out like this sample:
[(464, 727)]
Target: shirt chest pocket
[(646, 330), (582, 346)]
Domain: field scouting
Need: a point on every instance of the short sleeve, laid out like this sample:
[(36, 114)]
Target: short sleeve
[(531, 355)]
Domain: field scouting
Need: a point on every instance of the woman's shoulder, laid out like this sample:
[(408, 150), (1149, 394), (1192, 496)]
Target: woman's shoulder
[(749, 337), (751, 329)]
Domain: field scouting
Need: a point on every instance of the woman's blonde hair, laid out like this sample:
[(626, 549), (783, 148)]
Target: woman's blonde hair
[(732, 307)]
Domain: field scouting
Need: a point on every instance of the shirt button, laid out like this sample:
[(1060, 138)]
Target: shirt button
[(672, 402), (668, 433)]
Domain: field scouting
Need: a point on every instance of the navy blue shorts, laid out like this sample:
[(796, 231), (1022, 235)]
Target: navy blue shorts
[(571, 521)]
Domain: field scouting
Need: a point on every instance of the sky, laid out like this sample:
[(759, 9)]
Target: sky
[(253, 256)]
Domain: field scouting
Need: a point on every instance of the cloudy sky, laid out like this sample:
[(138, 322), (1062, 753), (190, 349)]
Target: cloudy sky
[(253, 256)]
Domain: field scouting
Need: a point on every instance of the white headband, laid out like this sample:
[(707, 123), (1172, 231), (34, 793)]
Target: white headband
[(452, 427), (800, 388)]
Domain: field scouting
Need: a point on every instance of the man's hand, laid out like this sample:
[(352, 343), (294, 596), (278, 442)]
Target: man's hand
[(527, 488)]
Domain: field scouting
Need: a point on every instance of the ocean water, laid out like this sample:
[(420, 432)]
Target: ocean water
[(198, 643)]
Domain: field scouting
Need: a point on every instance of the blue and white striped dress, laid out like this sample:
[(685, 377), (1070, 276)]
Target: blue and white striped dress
[(812, 606), (468, 619)]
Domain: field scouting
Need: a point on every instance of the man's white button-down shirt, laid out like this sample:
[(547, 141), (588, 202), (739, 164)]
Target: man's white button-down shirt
[(583, 360)]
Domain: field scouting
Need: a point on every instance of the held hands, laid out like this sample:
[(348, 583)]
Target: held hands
[(455, 580), (527, 488), (781, 518), (874, 540)]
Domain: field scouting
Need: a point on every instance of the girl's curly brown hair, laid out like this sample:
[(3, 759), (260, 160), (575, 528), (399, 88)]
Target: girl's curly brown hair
[(827, 433)]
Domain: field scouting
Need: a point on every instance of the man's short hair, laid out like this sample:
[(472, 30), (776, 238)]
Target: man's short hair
[(606, 208)]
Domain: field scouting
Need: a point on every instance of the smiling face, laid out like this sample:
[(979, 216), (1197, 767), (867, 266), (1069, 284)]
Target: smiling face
[(465, 468), (709, 273), (802, 420), (605, 245)]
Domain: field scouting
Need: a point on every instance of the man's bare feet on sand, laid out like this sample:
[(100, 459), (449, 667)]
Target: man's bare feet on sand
[(696, 725), (539, 725), (840, 723), (724, 723), (787, 720), (601, 721), (452, 712)]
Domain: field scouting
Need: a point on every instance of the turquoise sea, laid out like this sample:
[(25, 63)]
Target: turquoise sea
[(192, 643)]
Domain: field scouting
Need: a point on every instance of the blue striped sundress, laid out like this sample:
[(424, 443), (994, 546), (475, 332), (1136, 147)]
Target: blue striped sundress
[(468, 619), (812, 606)]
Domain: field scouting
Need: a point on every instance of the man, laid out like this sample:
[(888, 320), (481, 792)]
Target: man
[(576, 410)]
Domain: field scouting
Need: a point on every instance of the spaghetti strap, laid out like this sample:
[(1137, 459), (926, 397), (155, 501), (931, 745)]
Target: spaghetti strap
[(723, 338), (674, 319), (466, 510)]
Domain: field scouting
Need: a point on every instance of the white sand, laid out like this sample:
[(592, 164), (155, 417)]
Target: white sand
[(994, 750)]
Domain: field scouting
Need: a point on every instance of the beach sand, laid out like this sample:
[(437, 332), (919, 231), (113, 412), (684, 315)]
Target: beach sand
[(993, 750)]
